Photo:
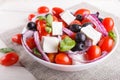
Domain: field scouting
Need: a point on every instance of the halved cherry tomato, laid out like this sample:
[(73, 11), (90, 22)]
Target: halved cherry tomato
[(106, 44), (75, 22), (9, 59), (93, 52), (82, 12), (43, 9), (63, 58), (56, 11), (17, 38), (51, 56), (31, 43), (41, 25), (108, 23), (31, 16)]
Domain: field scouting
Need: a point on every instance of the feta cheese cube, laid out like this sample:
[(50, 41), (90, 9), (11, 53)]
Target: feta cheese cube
[(57, 28), (67, 17), (50, 44), (93, 34)]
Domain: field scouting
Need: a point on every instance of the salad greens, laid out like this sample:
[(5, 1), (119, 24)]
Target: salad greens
[(112, 35), (66, 44), (6, 50)]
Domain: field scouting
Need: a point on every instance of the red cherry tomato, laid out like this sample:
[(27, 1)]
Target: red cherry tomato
[(82, 12), (106, 44), (93, 52), (51, 56), (9, 59), (75, 22), (41, 28), (85, 21), (17, 38), (108, 23), (56, 11), (31, 43), (43, 9), (31, 16), (62, 58)]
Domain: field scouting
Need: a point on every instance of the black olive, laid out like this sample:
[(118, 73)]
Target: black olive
[(79, 17), (75, 27), (80, 37), (31, 26), (86, 24), (79, 47)]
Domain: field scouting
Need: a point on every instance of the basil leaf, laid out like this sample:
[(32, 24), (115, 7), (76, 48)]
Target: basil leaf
[(66, 44), (41, 18), (112, 35), (36, 52), (48, 29), (49, 19), (6, 50)]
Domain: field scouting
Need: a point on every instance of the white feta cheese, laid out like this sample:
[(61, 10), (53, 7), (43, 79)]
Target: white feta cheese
[(67, 17), (93, 34), (50, 44), (57, 28)]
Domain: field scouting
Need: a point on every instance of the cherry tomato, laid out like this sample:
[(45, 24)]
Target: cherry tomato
[(106, 44), (30, 42), (43, 9), (56, 11), (41, 28), (82, 12), (108, 23), (62, 58), (75, 22), (93, 52), (85, 21), (31, 16), (17, 38), (51, 56), (9, 59)]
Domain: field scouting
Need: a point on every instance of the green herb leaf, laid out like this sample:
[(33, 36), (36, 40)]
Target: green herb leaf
[(49, 19), (41, 18), (66, 44), (36, 52), (48, 29), (112, 35), (6, 50)]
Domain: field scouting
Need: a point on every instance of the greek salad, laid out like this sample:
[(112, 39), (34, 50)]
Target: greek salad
[(69, 38)]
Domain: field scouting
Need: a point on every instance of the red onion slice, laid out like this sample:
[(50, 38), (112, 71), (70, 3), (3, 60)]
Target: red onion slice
[(97, 23), (67, 31), (26, 35), (37, 42)]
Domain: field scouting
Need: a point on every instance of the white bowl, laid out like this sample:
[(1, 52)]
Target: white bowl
[(87, 65)]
